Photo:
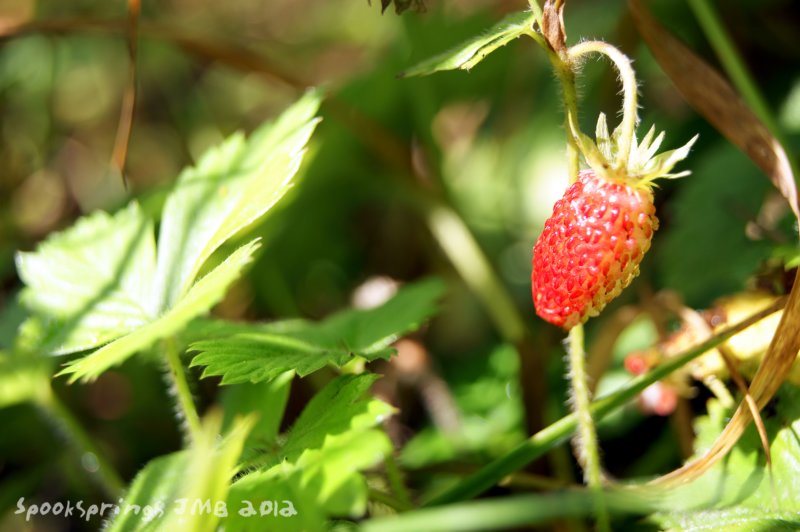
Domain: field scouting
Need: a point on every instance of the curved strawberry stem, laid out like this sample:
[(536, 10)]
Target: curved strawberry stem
[(630, 115)]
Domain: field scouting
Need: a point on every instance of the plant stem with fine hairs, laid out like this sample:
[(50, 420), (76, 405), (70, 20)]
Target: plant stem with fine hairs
[(183, 393), (585, 441), (630, 111)]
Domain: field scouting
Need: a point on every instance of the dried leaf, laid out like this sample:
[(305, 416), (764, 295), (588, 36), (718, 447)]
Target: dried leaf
[(770, 375), (714, 98), (553, 25)]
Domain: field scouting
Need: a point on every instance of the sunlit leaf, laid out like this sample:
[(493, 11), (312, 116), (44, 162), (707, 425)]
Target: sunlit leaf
[(229, 188), (93, 282), (317, 469), (207, 292), (337, 408), (265, 351), (180, 483), (102, 280), (22, 379), (737, 492), (470, 53)]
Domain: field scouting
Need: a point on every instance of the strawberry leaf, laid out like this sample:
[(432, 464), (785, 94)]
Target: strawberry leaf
[(92, 282), (103, 283), (470, 53), (317, 468), (337, 408), (189, 477), (736, 494), (207, 292), (229, 188), (22, 378), (262, 352)]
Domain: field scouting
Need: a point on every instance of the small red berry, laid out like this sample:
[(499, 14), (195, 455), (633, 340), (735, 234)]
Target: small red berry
[(590, 248), (592, 245)]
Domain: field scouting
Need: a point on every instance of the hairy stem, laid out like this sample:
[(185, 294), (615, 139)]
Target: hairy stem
[(536, 10), (630, 115), (585, 441), (563, 68), (566, 76), (181, 389), (389, 500)]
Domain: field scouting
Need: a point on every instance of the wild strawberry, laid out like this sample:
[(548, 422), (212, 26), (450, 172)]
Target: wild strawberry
[(591, 246)]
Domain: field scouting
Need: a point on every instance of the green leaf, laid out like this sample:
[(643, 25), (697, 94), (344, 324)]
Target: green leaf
[(331, 473), (207, 292), (191, 477), (304, 347), (737, 492), (231, 186), (317, 468), (92, 282), (22, 379), (324, 482), (103, 281), (470, 53), (267, 400), (337, 408)]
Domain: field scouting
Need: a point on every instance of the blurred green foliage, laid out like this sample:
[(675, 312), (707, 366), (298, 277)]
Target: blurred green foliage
[(489, 141)]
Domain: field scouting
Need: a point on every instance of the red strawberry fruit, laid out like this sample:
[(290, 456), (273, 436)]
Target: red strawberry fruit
[(591, 246)]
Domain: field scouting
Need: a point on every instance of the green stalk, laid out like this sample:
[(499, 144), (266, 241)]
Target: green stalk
[(566, 76), (471, 263), (513, 512), (586, 447), (558, 432), (388, 500), (536, 10), (563, 68), (55, 411), (396, 482), (181, 389)]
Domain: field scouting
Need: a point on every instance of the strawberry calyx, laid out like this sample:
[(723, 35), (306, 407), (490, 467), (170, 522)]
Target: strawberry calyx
[(642, 165)]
